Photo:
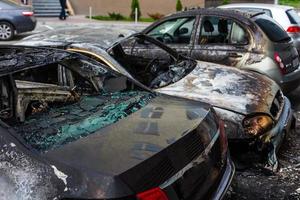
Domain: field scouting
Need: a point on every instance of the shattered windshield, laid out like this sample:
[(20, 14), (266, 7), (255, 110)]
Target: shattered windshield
[(63, 97), (151, 62), (64, 124)]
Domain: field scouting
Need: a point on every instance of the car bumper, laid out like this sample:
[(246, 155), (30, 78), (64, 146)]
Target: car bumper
[(283, 125), (290, 81), (25, 24), (275, 136), (213, 183), (225, 182)]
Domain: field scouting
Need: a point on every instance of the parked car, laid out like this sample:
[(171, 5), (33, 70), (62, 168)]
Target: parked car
[(240, 39), (15, 19), (286, 16), (71, 128), (256, 113)]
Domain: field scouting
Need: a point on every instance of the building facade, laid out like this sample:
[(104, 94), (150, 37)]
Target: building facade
[(103, 7)]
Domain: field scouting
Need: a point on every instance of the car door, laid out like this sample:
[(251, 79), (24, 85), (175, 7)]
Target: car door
[(178, 33), (221, 40)]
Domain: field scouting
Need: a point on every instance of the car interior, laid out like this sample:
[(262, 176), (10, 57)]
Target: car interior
[(61, 102), (174, 31), (153, 69), (217, 30), (6, 103)]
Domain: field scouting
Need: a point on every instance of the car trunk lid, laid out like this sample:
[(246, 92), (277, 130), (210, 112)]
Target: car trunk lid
[(154, 142), (287, 54)]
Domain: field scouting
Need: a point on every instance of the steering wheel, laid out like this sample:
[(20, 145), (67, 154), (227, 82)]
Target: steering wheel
[(153, 65), (167, 38)]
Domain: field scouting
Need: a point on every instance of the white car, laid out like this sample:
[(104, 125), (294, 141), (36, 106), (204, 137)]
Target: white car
[(286, 16)]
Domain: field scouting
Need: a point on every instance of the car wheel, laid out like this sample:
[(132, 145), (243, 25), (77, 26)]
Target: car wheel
[(7, 31)]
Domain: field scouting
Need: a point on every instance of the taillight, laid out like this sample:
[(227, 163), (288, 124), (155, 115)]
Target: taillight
[(280, 63), (27, 13), (293, 29), (223, 139), (152, 194)]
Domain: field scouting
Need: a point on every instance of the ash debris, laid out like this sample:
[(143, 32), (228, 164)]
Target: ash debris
[(257, 183)]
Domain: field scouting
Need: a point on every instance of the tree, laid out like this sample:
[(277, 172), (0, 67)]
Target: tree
[(135, 4), (178, 5)]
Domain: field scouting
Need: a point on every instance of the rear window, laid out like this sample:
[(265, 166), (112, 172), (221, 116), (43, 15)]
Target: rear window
[(7, 4), (270, 27), (293, 16), (266, 11)]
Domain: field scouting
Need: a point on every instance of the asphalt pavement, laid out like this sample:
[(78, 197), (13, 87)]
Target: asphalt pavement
[(47, 24)]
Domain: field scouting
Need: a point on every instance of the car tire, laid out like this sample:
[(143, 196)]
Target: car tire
[(7, 31)]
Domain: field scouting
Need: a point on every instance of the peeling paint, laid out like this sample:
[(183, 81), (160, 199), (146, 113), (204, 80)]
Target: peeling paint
[(21, 177), (61, 176), (225, 88)]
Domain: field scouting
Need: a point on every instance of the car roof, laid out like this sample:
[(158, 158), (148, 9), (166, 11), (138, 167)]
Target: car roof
[(18, 58), (257, 5), (102, 37), (216, 11)]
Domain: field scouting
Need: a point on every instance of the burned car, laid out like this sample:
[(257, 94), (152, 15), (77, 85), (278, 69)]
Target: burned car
[(256, 113), (71, 128), (245, 40)]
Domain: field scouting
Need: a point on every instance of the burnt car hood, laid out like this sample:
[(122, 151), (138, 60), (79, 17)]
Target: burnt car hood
[(226, 87), (126, 143)]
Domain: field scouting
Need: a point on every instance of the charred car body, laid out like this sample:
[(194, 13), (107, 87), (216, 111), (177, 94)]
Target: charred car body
[(254, 110), (73, 129), (240, 39)]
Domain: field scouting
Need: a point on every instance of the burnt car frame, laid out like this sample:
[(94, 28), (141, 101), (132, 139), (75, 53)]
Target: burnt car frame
[(71, 128), (243, 40), (236, 95)]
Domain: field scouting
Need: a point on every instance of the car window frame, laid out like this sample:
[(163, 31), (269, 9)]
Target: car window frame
[(194, 30), (291, 17), (254, 9), (234, 20)]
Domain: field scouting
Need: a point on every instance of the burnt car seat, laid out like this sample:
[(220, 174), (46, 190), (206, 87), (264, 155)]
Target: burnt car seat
[(223, 31), (208, 28)]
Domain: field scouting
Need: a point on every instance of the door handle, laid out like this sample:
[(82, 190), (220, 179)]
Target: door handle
[(235, 55)]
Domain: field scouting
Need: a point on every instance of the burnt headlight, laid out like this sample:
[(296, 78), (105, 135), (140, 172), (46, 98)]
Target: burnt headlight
[(257, 125)]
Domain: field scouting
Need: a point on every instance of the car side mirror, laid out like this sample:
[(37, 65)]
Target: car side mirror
[(183, 31), (142, 41)]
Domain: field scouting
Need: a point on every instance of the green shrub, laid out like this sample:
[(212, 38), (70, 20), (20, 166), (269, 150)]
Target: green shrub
[(135, 4), (225, 2), (116, 16), (295, 3), (178, 5)]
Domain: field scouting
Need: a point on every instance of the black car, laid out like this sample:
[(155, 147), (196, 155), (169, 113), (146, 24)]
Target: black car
[(71, 128), (15, 19)]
